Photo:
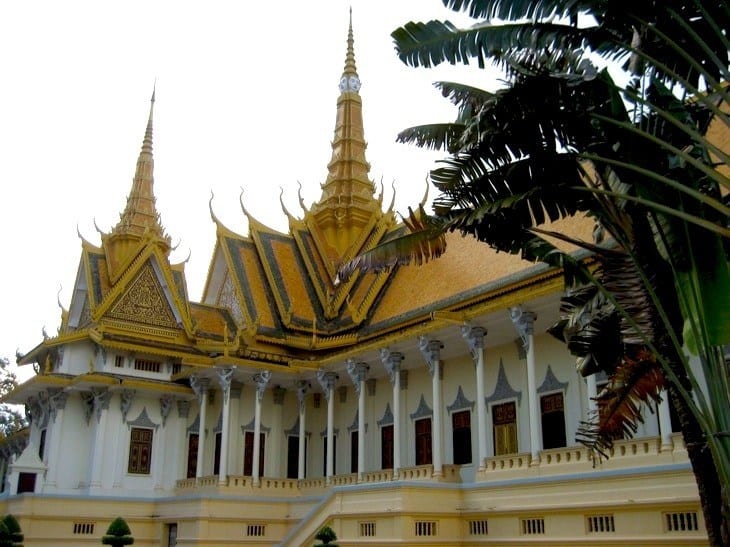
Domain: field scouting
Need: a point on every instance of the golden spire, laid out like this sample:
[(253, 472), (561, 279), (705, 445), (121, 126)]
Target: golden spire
[(140, 215), (347, 204)]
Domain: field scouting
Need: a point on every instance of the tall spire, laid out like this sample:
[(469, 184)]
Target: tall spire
[(140, 214), (347, 204)]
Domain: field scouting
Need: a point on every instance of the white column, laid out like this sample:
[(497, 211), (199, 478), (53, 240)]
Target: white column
[(431, 351), (358, 373), (474, 337), (200, 388), (524, 321), (161, 443), (100, 403), (302, 388), (327, 381), (58, 405), (261, 379), (391, 361), (665, 421), (181, 444), (224, 379)]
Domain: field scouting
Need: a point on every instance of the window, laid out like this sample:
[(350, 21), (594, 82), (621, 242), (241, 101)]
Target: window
[(425, 527), (192, 455), (42, 445), (367, 529), (353, 451), (83, 528), (334, 455), (119, 361), (478, 527), (248, 454), (140, 451), (256, 530), (532, 526), (504, 420), (553, 421), (26, 482), (386, 447), (423, 441), (292, 457), (146, 365), (683, 521), (461, 440), (598, 524)]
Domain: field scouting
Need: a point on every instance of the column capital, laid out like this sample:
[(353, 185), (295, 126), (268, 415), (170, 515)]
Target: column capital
[(358, 371), (524, 322), (327, 380), (474, 337), (391, 361), (261, 379), (126, 396), (302, 389), (225, 375), (199, 386), (431, 351)]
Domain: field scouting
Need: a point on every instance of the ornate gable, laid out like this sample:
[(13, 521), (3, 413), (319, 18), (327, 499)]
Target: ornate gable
[(144, 301)]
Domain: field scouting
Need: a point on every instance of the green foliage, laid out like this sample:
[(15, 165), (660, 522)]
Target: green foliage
[(16, 535), (6, 539), (11, 418), (118, 534), (326, 535), (562, 139)]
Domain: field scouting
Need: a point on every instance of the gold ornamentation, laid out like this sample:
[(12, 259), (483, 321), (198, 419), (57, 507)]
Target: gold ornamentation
[(144, 302)]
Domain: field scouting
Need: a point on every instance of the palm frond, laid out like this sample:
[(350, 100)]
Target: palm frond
[(637, 382), (425, 241), (438, 136)]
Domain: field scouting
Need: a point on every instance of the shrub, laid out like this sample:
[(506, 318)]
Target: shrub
[(118, 534), (16, 535), (326, 535)]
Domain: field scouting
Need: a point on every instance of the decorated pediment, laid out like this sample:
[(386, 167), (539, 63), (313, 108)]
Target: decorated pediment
[(145, 301)]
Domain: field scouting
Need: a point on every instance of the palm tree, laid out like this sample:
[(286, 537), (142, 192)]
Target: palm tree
[(563, 139)]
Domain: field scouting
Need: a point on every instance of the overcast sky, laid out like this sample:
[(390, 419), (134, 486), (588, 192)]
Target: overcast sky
[(246, 98)]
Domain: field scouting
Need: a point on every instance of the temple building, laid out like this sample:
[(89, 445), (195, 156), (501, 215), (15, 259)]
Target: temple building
[(423, 405)]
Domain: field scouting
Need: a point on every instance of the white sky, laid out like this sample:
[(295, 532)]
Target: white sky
[(246, 97)]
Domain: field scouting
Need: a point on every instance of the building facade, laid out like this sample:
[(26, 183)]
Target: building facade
[(416, 406)]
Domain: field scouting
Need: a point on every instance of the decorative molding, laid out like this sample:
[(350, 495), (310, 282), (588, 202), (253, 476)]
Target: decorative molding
[(387, 418), (327, 381), (335, 432), (355, 425), (251, 426), (166, 402), (225, 375), (503, 390), (126, 396), (199, 386), (302, 388), (261, 379), (57, 399), (461, 402), (391, 361), (294, 431), (422, 411), (524, 322), (474, 337), (357, 371), (551, 383), (87, 400), (143, 420), (431, 351)]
